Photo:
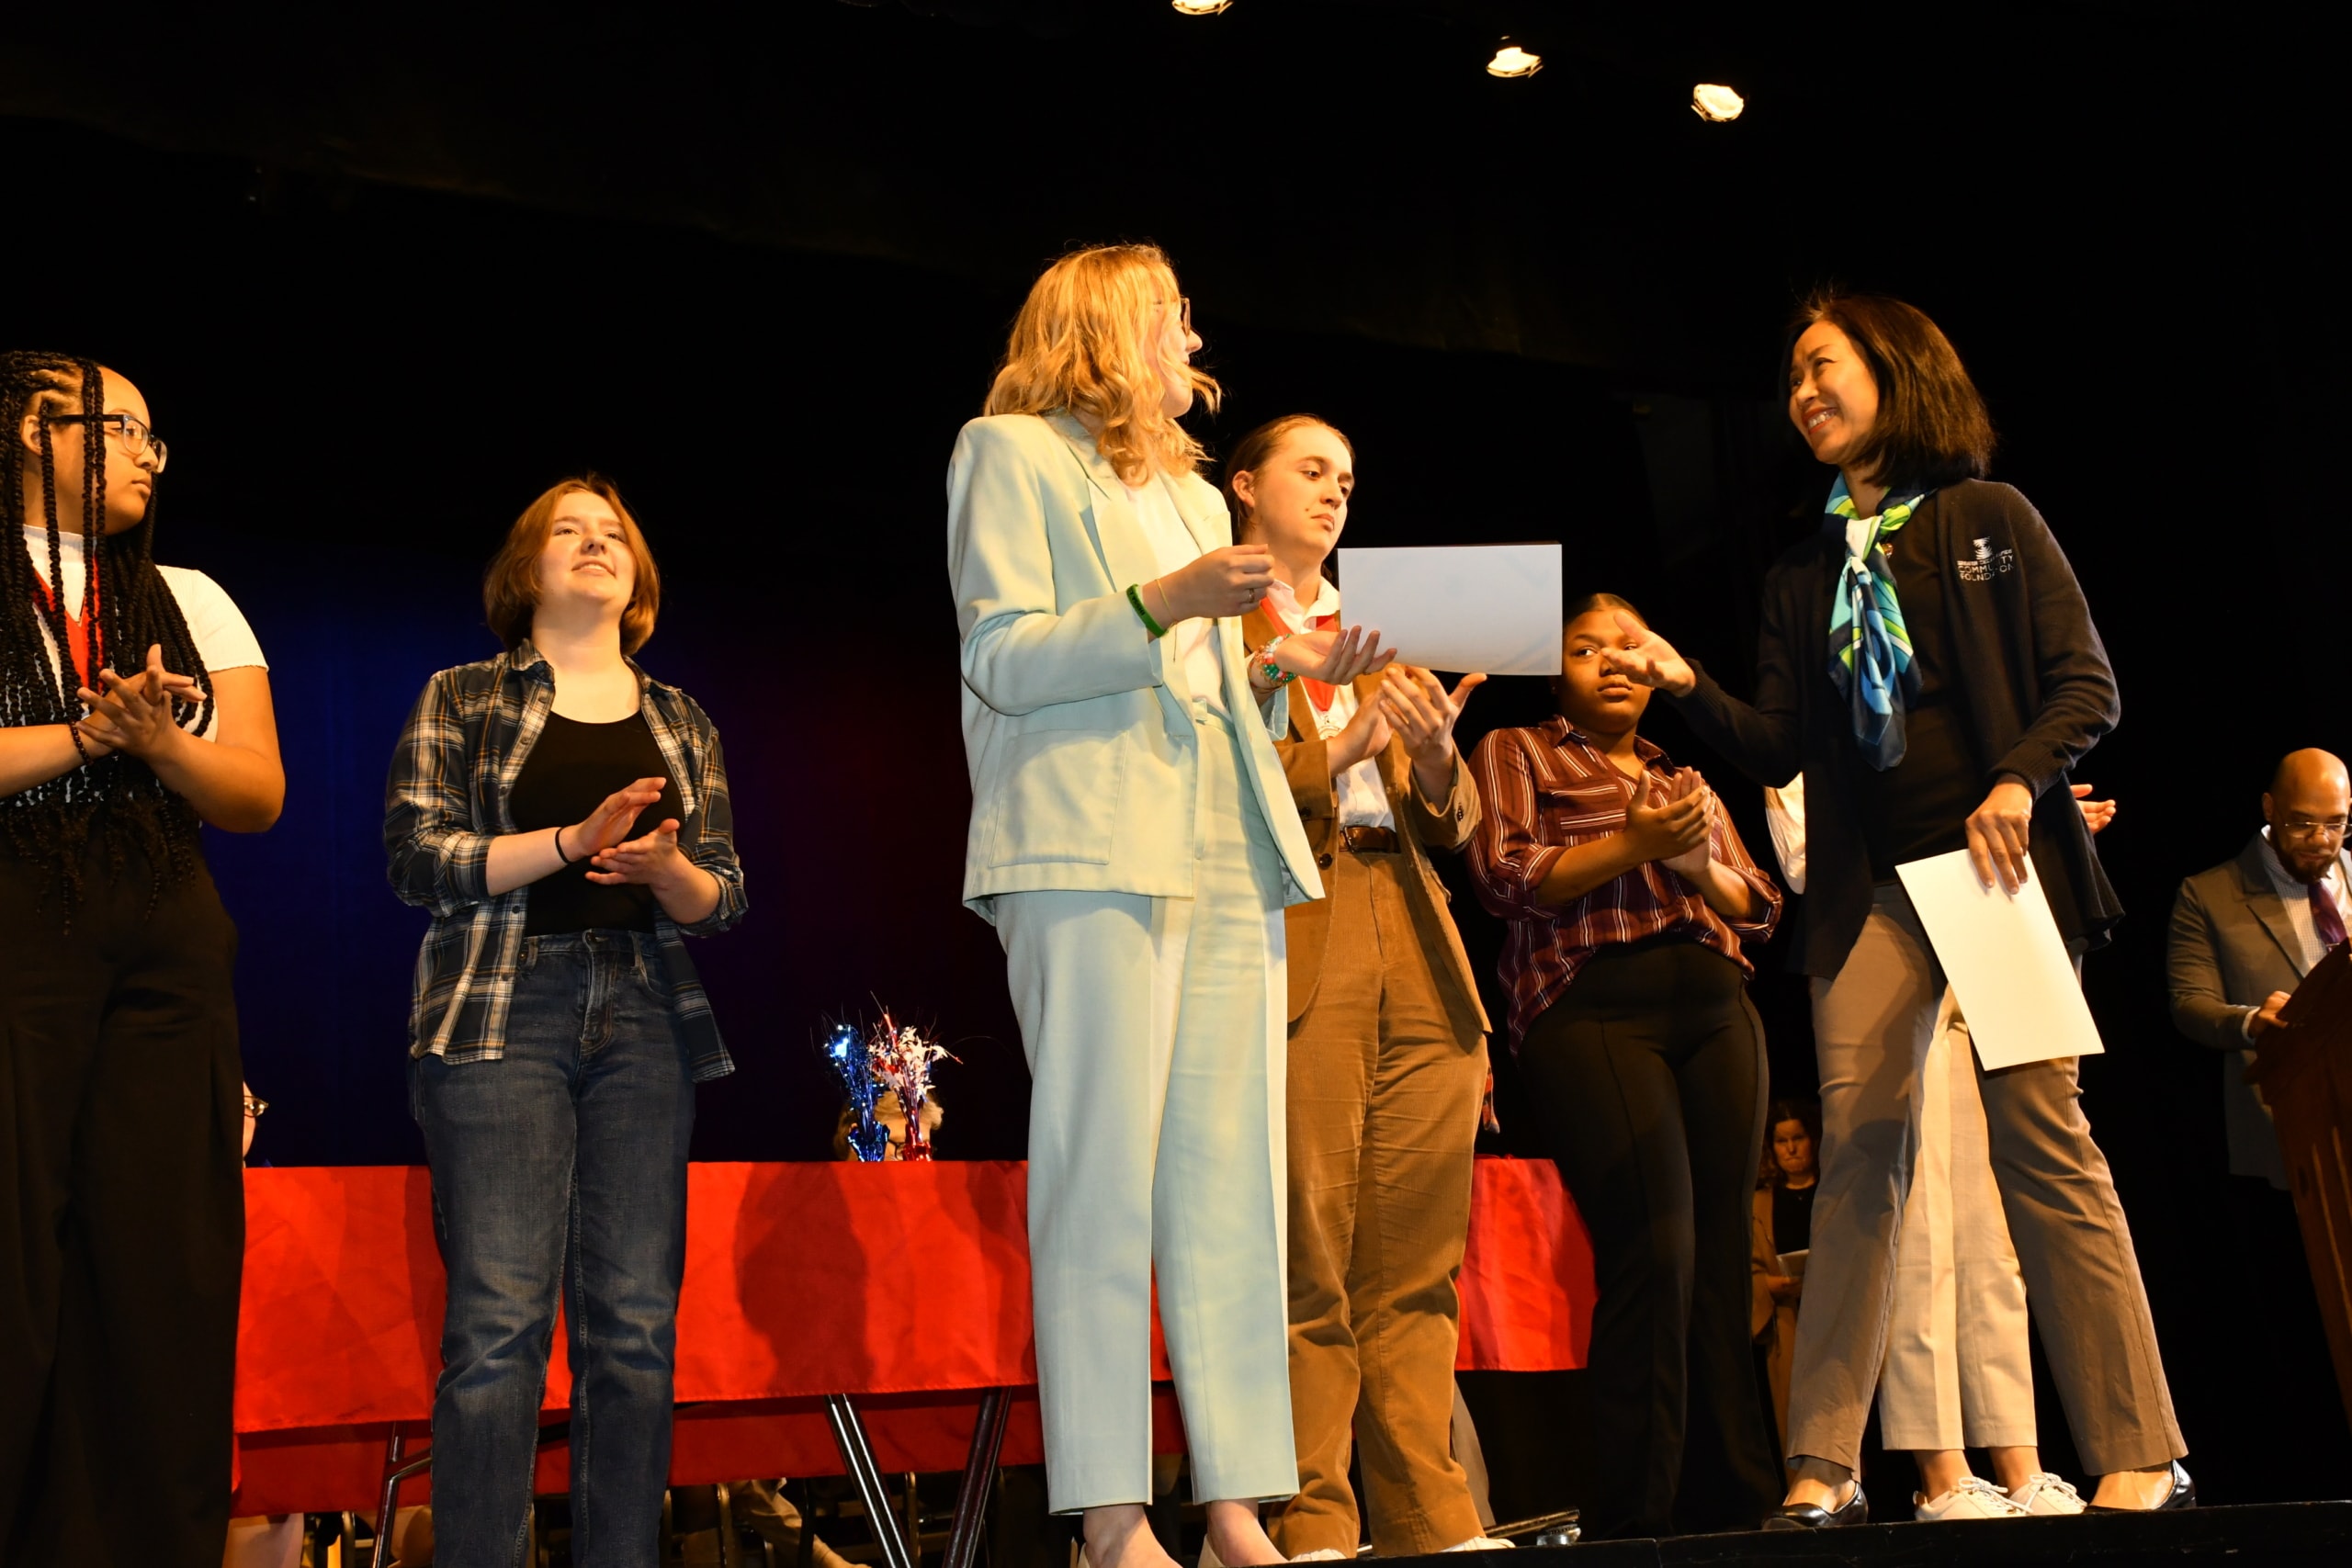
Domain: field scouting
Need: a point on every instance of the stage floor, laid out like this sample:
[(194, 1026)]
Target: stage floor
[(2250, 1537)]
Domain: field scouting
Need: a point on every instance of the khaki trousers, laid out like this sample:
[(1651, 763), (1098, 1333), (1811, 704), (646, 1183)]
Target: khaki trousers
[(1872, 1025), (1154, 1032), (1384, 1118), (1959, 1369)]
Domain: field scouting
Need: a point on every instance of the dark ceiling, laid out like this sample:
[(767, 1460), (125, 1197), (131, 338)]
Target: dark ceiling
[(1335, 167)]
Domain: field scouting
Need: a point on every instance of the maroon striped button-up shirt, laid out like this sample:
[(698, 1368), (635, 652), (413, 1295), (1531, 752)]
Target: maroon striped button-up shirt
[(1546, 790)]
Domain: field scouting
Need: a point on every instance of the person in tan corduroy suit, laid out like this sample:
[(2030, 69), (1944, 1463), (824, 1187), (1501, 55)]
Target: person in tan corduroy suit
[(1387, 1047)]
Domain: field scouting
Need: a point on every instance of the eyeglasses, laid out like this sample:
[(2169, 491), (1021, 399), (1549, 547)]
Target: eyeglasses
[(1184, 311), (254, 1106), (2305, 828), (138, 441)]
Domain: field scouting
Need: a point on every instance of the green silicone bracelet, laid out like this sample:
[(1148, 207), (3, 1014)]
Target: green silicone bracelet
[(1135, 598)]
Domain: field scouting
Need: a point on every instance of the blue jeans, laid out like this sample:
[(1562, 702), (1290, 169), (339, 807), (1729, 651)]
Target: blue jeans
[(563, 1166)]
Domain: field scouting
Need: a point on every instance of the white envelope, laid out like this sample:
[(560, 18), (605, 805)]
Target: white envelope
[(1489, 607), (2007, 963)]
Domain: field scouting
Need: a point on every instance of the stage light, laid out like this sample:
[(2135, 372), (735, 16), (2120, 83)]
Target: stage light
[(1512, 61), (1200, 7), (1709, 101)]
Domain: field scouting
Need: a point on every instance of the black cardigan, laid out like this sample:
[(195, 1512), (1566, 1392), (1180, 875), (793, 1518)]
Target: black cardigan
[(2029, 680)]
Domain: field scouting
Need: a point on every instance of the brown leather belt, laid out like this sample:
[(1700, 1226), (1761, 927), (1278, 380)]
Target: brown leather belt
[(1370, 841)]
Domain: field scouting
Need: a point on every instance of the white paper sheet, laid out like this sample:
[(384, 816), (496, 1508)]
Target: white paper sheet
[(2006, 961), (1491, 607), (1791, 1265)]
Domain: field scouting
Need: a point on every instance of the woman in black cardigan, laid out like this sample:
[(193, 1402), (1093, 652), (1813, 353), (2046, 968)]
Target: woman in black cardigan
[(1967, 680)]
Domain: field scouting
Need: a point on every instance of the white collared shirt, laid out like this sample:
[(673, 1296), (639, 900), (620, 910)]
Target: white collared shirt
[(1360, 797), (1193, 643)]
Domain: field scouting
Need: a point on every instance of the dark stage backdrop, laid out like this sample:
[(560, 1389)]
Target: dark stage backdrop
[(362, 386)]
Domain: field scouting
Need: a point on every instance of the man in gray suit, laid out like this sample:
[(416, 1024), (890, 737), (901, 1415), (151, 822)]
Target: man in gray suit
[(2246, 932)]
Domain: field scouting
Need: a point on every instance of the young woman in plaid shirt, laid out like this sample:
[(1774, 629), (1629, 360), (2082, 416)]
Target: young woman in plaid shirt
[(565, 818)]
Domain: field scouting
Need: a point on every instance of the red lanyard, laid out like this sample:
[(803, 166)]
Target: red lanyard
[(84, 642), (1320, 692)]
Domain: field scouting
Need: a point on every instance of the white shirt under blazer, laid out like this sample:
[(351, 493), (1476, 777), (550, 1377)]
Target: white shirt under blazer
[(1078, 728)]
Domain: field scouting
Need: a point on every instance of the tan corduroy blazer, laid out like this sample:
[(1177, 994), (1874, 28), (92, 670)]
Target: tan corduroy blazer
[(1422, 824)]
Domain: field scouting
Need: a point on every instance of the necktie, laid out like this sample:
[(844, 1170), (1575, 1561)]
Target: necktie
[(2326, 919)]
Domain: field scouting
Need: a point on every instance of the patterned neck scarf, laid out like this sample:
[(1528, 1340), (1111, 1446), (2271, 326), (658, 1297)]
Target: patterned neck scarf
[(1870, 652)]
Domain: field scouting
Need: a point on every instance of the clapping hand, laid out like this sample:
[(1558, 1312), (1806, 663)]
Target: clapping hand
[(1688, 784), (1422, 713), (609, 824), (1365, 735), (1673, 830), (652, 861), (2097, 814), (1336, 658), (1648, 660)]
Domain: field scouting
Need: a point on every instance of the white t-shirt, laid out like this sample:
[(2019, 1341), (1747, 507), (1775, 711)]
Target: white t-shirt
[(1357, 792), (1173, 549), (224, 639)]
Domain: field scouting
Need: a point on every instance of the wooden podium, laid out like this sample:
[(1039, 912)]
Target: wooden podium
[(2305, 1074)]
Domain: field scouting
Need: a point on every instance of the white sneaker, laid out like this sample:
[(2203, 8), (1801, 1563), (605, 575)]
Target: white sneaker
[(1322, 1554), (2045, 1494), (1482, 1543), (1974, 1498)]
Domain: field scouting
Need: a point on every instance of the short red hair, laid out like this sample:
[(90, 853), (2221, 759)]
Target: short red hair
[(509, 589)]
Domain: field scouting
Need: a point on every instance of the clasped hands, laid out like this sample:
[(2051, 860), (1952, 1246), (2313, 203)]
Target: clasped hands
[(133, 713)]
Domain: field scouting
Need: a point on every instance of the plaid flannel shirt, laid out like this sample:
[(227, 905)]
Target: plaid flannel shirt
[(447, 799)]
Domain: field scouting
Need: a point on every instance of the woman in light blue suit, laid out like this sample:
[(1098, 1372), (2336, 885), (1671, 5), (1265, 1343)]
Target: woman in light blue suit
[(1134, 841)]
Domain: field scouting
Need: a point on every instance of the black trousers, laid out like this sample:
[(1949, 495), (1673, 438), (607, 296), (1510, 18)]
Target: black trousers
[(1648, 1077), (121, 1219)]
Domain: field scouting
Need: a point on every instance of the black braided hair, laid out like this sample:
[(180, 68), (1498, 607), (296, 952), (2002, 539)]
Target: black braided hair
[(116, 798)]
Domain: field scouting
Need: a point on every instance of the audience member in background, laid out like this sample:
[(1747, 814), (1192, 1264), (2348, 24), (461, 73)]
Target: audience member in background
[(1784, 1225), (565, 818), (1134, 843), (2244, 935), (123, 1236), (1927, 660), (1628, 895), (1388, 1043)]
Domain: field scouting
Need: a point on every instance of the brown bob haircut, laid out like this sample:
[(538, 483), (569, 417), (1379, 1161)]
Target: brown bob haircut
[(1932, 427), (509, 589)]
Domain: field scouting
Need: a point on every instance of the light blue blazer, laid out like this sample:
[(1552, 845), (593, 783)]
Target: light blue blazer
[(1079, 731)]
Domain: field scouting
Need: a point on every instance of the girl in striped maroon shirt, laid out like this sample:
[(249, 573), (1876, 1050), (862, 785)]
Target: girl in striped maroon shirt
[(1628, 895)]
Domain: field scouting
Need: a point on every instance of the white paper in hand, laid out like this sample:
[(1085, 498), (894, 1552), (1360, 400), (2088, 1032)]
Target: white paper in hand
[(2006, 961), (1489, 607)]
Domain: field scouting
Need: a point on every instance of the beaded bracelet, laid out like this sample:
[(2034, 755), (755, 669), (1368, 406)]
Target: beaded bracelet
[(1277, 676), (1135, 599)]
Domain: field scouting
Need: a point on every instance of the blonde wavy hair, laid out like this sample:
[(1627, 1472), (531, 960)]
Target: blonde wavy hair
[(1084, 344)]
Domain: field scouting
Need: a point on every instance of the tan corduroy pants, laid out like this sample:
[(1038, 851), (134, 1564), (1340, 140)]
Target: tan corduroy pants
[(1384, 1115), (1871, 1027)]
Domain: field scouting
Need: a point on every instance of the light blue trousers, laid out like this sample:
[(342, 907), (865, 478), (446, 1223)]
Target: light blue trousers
[(1155, 1035)]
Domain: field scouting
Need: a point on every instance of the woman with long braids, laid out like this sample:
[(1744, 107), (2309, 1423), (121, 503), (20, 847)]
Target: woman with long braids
[(565, 817), (1929, 664), (122, 1203), (1133, 842)]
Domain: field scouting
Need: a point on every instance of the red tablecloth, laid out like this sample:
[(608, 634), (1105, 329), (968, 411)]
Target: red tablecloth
[(906, 1285)]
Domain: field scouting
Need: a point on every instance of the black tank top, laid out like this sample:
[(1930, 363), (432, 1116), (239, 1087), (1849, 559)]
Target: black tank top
[(570, 770)]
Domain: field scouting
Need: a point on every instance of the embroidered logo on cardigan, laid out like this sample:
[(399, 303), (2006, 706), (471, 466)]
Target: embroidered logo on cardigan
[(1988, 562)]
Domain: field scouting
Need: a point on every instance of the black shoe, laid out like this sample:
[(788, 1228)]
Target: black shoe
[(1814, 1516), (2182, 1495)]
